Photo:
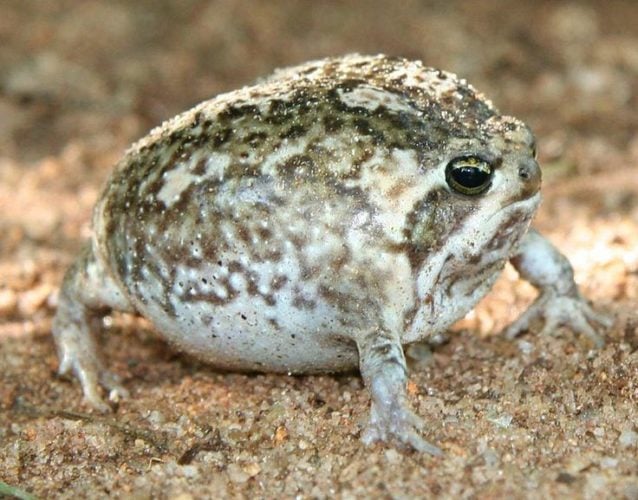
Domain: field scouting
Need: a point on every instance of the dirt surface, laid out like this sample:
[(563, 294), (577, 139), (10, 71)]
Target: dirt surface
[(539, 416)]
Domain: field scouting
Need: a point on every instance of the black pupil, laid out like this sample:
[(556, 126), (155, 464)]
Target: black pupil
[(470, 177)]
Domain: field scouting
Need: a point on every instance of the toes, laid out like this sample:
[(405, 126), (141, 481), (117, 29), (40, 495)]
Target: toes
[(371, 435), (421, 445), (92, 378), (93, 397), (407, 435), (516, 328), (601, 319), (414, 420), (112, 384), (572, 312), (580, 324), (523, 323), (89, 381), (551, 323), (65, 366), (400, 425)]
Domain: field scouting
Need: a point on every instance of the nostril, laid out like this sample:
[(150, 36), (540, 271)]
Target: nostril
[(524, 173)]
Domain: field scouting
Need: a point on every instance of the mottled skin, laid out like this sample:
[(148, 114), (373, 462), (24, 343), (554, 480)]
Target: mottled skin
[(308, 224)]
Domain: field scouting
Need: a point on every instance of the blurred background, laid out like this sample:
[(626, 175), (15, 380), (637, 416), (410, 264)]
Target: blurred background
[(81, 79)]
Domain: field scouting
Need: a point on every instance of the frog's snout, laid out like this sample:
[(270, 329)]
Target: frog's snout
[(529, 173)]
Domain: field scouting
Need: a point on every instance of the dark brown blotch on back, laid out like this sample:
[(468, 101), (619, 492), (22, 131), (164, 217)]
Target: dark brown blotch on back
[(243, 233), (232, 113), (278, 282), (278, 112), (293, 132), (221, 136), (255, 139), (239, 170), (301, 303), (332, 123), (200, 167)]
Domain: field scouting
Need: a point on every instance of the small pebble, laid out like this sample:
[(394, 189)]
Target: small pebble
[(628, 438), (236, 474), (8, 302), (30, 301), (503, 421), (392, 456), (609, 463)]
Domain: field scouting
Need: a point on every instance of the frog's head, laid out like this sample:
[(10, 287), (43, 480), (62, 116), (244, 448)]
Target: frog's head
[(499, 165), (485, 190)]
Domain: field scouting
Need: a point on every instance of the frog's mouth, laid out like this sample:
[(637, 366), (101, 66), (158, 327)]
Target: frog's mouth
[(518, 215), (526, 207), (529, 205)]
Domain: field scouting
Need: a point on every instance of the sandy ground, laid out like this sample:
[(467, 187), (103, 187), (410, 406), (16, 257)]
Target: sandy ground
[(543, 416)]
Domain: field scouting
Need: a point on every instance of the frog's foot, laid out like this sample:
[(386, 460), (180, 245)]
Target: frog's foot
[(86, 291), (385, 373), (395, 422), (556, 310), (92, 376)]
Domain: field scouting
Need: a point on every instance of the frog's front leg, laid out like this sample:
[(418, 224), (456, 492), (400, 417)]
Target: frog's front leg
[(559, 302), (86, 292), (384, 371)]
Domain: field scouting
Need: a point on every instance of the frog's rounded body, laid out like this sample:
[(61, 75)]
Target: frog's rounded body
[(313, 222), (267, 228)]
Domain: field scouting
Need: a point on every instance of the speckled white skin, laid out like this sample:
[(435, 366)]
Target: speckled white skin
[(309, 223)]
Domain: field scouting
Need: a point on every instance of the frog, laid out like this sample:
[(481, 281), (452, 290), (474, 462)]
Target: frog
[(320, 220)]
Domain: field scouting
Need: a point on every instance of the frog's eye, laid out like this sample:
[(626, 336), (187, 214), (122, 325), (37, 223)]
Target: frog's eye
[(469, 175)]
